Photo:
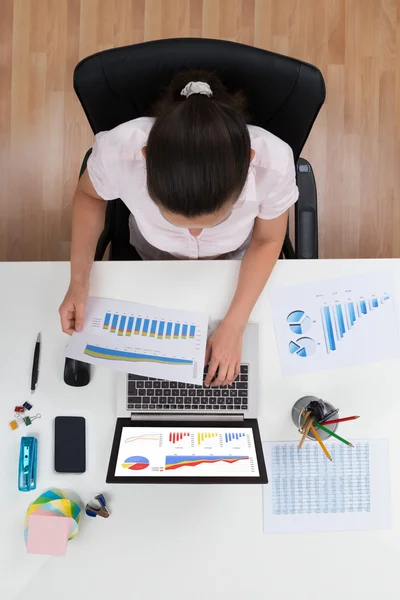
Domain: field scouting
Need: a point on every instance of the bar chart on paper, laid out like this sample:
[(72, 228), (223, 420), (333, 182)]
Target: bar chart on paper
[(335, 323), (142, 339), (129, 326)]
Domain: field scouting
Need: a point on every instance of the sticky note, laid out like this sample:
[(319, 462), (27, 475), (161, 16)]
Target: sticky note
[(47, 535)]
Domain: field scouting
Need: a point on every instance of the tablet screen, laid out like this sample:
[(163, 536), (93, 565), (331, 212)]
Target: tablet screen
[(169, 452)]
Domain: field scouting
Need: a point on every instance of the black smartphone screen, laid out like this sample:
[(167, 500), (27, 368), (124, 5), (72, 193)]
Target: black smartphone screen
[(69, 445)]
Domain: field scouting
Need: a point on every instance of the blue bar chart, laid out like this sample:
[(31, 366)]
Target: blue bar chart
[(106, 322), (339, 318), (335, 323), (123, 325), (230, 437), (151, 341)]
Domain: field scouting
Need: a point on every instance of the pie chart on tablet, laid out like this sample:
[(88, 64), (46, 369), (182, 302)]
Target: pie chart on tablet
[(136, 463)]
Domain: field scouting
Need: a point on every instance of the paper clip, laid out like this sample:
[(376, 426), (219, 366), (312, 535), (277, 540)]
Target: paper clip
[(101, 510), (27, 464)]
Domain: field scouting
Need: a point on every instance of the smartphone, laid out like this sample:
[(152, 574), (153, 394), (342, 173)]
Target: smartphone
[(69, 445)]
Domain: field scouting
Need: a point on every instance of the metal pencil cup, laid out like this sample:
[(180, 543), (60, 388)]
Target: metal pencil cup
[(297, 418)]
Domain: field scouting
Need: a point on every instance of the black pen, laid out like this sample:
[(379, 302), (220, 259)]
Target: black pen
[(35, 366)]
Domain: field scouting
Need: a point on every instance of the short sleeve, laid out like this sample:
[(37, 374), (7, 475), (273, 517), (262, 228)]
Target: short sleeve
[(284, 193), (101, 166)]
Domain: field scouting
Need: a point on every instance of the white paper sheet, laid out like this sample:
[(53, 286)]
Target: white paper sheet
[(306, 492), (335, 323), (147, 340), (187, 452)]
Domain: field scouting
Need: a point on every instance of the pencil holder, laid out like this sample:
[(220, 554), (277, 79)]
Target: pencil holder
[(301, 405)]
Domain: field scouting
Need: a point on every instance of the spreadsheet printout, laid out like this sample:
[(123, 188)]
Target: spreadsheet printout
[(307, 492)]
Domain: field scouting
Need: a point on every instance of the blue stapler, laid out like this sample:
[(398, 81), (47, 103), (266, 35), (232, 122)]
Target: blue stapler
[(27, 464)]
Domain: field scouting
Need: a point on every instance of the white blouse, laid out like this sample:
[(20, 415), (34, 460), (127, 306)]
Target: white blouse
[(117, 169)]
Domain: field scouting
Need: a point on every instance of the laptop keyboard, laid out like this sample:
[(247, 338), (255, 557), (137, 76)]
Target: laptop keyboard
[(148, 394)]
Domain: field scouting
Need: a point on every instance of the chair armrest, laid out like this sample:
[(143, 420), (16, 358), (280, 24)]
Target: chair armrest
[(306, 215), (105, 236)]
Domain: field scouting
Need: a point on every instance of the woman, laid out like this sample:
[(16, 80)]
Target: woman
[(200, 184)]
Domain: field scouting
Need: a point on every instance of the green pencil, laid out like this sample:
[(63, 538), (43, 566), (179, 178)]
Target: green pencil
[(335, 435)]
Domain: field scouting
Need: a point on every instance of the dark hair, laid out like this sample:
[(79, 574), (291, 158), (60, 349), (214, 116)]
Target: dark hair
[(198, 150)]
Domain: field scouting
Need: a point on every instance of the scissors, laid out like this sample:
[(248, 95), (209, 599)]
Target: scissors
[(100, 509)]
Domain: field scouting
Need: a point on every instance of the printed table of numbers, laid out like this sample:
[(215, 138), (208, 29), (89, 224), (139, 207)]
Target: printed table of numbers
[(306, 481)]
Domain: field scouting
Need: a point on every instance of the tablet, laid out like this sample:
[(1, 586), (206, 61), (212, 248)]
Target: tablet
[(186, 452)]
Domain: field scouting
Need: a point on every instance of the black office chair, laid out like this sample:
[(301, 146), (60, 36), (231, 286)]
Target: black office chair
[(284, 96)]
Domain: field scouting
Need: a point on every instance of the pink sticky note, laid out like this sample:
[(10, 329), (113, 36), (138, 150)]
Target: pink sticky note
[(47, 535), (49, 513)]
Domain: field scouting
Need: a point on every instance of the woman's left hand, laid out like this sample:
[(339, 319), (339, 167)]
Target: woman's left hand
[(223, 354)]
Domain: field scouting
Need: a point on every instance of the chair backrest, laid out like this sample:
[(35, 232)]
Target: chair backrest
[(284, 94)]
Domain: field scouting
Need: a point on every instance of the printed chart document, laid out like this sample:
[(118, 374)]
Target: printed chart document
[(146, 340), (307, 492), (335, 323), (187, 452)]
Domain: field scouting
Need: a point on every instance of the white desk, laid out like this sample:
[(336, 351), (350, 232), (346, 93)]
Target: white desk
[(179, 542)]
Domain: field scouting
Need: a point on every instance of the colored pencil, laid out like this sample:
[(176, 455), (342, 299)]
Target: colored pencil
[(335, 435), (339, 420), (308, 421), (320, 442)]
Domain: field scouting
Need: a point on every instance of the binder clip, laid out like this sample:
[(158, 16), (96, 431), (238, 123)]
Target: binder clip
[(28, 420), (27, 464), (100, 509)]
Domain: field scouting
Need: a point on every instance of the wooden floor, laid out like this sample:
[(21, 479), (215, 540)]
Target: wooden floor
[(354, 146)]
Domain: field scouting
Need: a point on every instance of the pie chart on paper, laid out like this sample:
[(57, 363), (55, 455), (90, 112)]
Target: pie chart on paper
[(136, 463), (303, 347), (298, 322)]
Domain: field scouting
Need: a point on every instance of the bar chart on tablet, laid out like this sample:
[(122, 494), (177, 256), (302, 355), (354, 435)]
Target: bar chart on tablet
[(335, 323)]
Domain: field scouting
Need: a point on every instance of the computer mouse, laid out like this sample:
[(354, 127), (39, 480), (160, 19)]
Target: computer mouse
[(76, 372)]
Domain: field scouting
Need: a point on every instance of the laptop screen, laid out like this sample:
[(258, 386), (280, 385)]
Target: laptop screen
[(204, 451)]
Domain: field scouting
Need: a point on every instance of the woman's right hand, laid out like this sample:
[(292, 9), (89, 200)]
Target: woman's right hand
[(72, 309)]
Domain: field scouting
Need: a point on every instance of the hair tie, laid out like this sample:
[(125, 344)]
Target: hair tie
[(196, 87)]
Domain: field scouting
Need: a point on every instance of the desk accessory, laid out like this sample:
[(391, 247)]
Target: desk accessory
[(308, 420), (320, 442), (98, 507), (20, 416), (27, 464), (329, 415), (331, 433), (338, 420), (35, 365), (319, 407), (309, 413), (51, 520), (28, 420)]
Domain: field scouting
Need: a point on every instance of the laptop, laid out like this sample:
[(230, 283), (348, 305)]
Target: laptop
[(173, 432)]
